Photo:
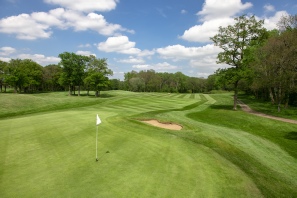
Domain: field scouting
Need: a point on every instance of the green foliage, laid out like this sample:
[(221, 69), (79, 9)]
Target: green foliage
[(264, 63), (51, 75), (73, 67), (151, 81), (275, 66), (96, 75), (24, 75), (234, 40)]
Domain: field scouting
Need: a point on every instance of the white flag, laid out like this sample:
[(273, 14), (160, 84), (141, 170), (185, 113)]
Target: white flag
[(98, 121)]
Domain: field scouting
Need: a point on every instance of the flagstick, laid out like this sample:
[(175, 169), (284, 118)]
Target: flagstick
[(96, 144)]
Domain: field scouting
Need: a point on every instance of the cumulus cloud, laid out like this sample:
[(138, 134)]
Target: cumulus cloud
[(203, 57), (202, 33), (25, 27), (157, 67), (40, 58), (85, 53), (214, 9), (132, 60), (269, 8), (213, 15), (6, 51), (5, 59), (179, 52), (86, 5), (39, 24), (122, 45), (270, 23)]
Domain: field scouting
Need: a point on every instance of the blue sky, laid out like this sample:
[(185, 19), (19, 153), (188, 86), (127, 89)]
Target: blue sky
[(164, 35)]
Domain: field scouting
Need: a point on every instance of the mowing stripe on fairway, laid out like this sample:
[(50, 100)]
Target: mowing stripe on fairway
[(53, 154), (59, 159)]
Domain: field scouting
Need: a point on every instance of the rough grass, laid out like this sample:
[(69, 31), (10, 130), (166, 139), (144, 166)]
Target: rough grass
[(269, 108), (219, 152)]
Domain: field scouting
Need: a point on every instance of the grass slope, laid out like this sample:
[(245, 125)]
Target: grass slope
[(219, 152)]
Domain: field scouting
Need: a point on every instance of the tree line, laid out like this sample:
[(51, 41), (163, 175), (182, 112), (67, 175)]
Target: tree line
[(263, 63), (73, 72), (151, 81)]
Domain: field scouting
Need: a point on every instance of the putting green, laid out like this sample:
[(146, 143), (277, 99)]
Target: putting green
[(53, 154)]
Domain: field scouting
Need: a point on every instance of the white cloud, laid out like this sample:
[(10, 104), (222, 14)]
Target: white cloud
[(122, 45), (202, 33), (146, 53), (132, 60), (179, 52), (206, 65), (85, 53), (270, 23), (91, 21), (215, 13), (86, 5), (158, 67), (40, 24), (202, 58), (214, 9), (24, 27), (40, 58), (269, 8), (5, 59), (6, 51), (49, 19)]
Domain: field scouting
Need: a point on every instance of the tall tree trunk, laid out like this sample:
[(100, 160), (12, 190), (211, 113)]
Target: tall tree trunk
[(235, 95), (69, 92), (271, 95), (78, 90)]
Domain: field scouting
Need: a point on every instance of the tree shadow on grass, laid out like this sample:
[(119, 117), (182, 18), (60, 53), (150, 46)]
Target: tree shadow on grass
[(104, 95), (222, 107), (291, 135)]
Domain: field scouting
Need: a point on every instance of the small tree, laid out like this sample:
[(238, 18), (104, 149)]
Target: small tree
[(97, 74), (233, 40), (73, 67), (51, 75)]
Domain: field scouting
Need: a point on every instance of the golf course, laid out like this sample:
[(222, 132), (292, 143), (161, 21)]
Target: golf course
[(48, 147)]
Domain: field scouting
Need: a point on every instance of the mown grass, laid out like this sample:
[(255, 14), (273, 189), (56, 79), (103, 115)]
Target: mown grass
[(22, 104), (218, 153), (270, 178)]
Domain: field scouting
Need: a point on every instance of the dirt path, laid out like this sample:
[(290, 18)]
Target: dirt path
[(246, 108)]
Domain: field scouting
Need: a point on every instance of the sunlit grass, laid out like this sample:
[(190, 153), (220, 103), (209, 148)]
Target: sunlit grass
[(218, 153)]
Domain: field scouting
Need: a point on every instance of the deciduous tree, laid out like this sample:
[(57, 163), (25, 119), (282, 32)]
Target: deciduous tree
[(97, 74), (233, 40), (73, 67)]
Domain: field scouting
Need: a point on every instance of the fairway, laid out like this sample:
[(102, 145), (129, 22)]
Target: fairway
[(218, 152)]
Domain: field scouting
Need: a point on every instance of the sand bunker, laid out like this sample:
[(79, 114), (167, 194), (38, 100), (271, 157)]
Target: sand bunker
[(163, 125)]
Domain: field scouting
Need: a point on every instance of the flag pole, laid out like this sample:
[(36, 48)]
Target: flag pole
[(96, 145), (98, 121)]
